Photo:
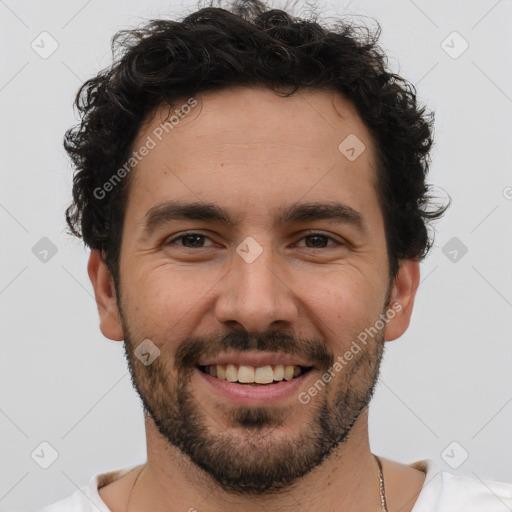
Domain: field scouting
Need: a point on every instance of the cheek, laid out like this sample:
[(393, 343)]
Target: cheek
[(343, 304), (161, 301)]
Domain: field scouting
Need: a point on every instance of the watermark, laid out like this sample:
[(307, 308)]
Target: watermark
[(249, 249), (44, 455), (44, 45), (147, 352), (352, 147), (455, 455), (44, 250), (149, 144), (454, 249), (454, 45), (304, 397)]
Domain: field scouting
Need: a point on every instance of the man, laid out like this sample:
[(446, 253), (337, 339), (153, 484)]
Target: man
[(252, 188)]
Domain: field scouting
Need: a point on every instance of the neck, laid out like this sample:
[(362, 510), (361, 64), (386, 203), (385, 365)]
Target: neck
[(347, 480)]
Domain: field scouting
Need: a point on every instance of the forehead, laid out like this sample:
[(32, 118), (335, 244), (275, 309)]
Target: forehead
[(303, 120), (256, 144)]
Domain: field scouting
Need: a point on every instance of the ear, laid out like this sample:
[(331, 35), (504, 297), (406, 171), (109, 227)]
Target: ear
[(402, 298), (105, 294)]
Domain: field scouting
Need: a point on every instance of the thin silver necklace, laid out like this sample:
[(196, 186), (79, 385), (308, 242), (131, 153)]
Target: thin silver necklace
[(383, 504)]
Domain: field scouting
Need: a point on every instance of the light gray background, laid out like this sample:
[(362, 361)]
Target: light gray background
[(448, 379)]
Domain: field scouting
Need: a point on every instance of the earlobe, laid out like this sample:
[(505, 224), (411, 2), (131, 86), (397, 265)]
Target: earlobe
[(106, 300), (402, 298)]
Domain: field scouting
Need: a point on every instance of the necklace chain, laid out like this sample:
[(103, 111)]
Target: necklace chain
[(383, 504), (133, 486), (382, 490)]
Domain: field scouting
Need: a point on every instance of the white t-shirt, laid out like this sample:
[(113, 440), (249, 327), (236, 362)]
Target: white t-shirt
[(441, 492)]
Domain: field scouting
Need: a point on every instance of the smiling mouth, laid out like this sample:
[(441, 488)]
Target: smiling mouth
[(254, 375)]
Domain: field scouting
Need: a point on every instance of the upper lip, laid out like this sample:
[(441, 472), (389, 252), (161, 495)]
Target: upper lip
[(255, 359)]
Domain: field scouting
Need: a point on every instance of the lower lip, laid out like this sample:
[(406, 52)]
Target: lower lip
[(244, 395)]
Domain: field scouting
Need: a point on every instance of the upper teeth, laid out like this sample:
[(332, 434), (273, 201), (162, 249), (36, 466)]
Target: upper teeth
[(253, 374)]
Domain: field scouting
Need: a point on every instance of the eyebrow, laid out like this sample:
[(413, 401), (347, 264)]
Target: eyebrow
[(335, 212)]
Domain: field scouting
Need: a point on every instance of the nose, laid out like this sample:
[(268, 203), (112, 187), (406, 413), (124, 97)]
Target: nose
[(256, 296)]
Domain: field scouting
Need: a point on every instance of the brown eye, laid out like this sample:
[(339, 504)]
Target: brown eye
[(318, 241), (190, 240)]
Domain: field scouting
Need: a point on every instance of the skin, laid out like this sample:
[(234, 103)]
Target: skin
[(251, 151)]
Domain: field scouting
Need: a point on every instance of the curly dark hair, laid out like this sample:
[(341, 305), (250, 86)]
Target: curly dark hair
[(248, 44)]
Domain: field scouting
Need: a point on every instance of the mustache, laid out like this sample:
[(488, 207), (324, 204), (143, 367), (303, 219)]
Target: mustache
[(312, 350)]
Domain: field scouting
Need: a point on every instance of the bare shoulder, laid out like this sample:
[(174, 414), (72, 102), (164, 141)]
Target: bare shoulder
[(115, 494), (403, 484)]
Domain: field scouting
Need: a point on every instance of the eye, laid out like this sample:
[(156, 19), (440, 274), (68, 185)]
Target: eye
[(318, 240), (190, 240)]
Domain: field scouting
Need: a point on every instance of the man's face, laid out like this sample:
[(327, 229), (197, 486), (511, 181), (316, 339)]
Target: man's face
[(260, 291)]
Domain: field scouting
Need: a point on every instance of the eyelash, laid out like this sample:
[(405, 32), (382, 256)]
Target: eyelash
[(308, 234)]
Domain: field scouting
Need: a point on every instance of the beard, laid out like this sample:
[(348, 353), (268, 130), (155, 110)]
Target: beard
[(247, 454)]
